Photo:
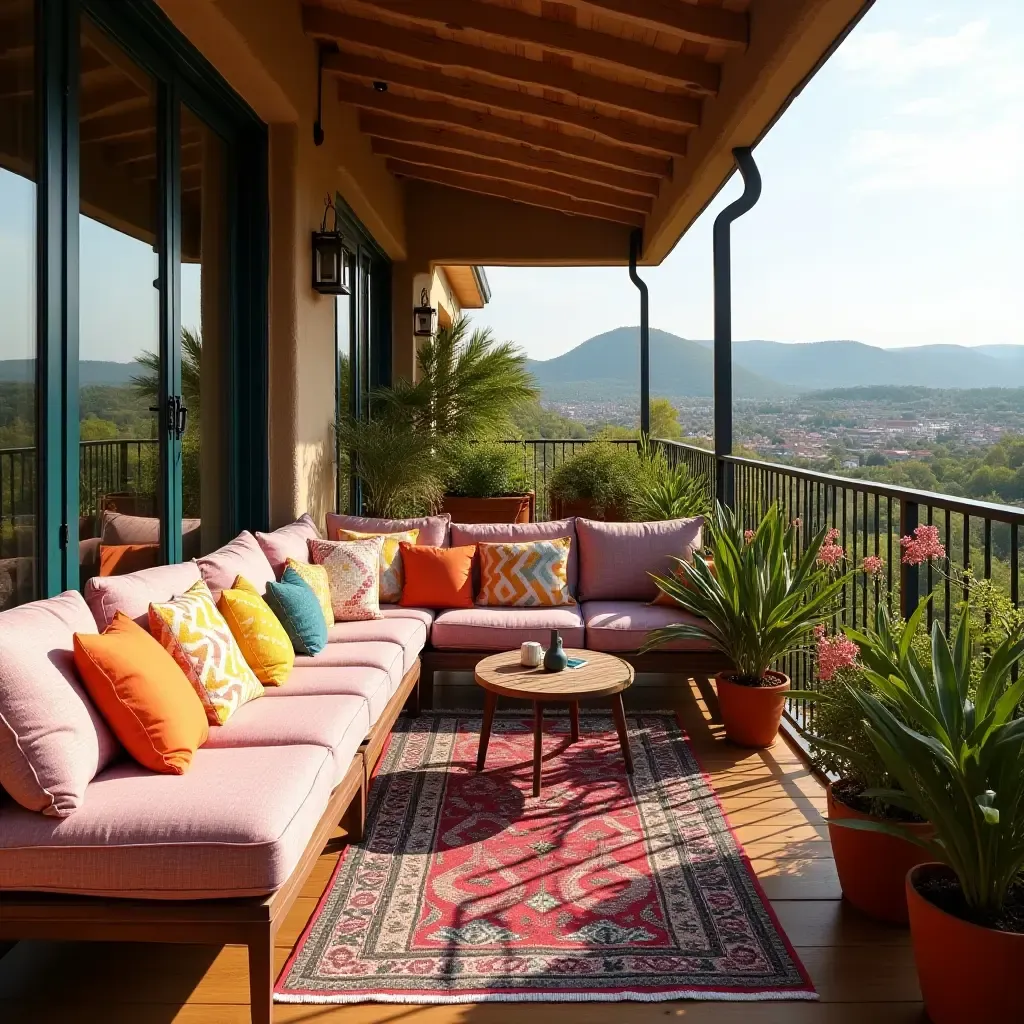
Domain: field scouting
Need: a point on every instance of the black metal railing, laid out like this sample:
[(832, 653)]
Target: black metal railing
[(107, 469)]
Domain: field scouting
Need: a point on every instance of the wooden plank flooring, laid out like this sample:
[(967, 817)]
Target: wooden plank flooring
[(864, 972)]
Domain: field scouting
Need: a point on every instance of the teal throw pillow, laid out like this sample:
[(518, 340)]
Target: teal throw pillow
[(295, 604)]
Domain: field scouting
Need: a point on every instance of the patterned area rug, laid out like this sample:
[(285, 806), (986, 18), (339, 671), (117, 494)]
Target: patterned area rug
[(467, 889)]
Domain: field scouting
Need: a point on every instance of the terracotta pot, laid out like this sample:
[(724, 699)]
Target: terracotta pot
[(505, 508), (751, 714), (873, 867), (585, 509), (967, 972)]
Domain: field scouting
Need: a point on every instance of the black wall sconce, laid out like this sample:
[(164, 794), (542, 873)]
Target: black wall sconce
[(332, 257), (423, 317)]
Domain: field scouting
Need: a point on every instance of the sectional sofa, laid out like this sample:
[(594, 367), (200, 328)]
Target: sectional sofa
[(219, 854)]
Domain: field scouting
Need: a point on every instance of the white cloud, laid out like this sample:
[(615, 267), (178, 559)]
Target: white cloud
[(889, 56)]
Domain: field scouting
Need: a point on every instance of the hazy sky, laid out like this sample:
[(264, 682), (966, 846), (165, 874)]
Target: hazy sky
[(892, 209)]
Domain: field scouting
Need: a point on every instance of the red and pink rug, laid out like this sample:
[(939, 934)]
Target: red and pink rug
[(467, 889)]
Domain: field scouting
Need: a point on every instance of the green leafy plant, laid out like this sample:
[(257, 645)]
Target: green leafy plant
[(955, 748), (761, 602), (604, 473), (664, 491), (487, 469)]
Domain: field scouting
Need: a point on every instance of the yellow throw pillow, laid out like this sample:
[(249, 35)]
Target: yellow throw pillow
[(528, 574), (261, 637), (319, 582), (199, 640), (392, 576)]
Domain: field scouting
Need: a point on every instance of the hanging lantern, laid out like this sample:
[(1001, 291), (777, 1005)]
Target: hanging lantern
[(332, 258), (423, 317)]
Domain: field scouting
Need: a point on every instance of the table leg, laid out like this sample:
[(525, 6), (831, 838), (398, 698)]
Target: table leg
[(574, 721), (620, 727), (538, 743), (490, 702)]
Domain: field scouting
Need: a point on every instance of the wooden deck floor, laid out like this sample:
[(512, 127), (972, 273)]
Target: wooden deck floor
[(864, 972)]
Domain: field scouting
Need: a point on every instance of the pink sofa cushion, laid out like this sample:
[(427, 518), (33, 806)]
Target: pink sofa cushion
[(396, 611), (241, 557), (291, 541), (617, 558), (134, 593), (336, 722), (119, 528), (409, 634), (497, 533), (388, 657), (433, 529), (504, 629), (624, 625), (235, 824), (52, 740), (372, 685)]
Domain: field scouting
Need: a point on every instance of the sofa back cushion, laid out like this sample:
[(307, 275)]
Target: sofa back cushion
[(119, 528), (241, 557), (433, 530), (52, 740), (616, 559), (134, 593), (291, 541), (517, 533)]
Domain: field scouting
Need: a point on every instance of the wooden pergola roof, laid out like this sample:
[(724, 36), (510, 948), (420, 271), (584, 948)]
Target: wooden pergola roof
[(590, 107)]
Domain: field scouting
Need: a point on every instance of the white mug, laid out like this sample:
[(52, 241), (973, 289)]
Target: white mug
[(531, 654)]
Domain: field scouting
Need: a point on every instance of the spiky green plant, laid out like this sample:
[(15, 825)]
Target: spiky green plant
[(148, 383), (664, 491)]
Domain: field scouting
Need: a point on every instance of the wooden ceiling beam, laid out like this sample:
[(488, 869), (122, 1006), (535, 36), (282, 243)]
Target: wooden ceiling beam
[(443, 53), (714, 26), (104, 96), (396, 129), (627, 133), (115, 126), (500, 171), (561, 37), (427, 112), (517, 192)]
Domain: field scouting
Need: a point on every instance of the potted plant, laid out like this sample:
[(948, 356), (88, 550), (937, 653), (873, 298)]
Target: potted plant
[(951, 735), (666, 492), (761, 603), (487, 483), (597, 482)]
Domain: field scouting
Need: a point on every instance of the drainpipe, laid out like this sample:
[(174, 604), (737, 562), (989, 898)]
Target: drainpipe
[(722, 257), (636, 240)]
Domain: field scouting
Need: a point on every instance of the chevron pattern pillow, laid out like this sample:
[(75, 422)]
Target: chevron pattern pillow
[(528, 574), (353, 571), (392, 576), (194, 632)]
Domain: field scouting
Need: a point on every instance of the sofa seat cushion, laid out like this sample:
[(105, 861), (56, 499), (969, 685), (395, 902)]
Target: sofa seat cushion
[(373, 685), (409, 634), (504, 629), (134, 593), (623, 625), (397, 611), (337, 722), (388, 657), (236, 824)]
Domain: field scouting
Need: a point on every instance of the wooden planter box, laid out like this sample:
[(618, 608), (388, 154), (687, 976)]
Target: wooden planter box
[(506, 508), (584, 507)]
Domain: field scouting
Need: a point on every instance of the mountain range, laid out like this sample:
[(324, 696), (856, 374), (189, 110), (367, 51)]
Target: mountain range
[(606, 367), (90, 371)]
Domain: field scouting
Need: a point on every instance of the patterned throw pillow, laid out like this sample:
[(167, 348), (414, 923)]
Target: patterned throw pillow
[(391, 575), (319, 582), (529, 574), (262, 639), (353, 569), (196, 635)]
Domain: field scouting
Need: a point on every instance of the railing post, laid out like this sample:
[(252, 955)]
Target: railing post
[(722, 258), (910, 577), (636, 240)]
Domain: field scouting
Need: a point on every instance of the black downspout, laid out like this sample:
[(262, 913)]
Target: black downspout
[(636, 240), (723, 318)]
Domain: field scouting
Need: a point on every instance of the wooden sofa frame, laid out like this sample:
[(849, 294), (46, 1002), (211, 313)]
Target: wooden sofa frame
[(252, 922)]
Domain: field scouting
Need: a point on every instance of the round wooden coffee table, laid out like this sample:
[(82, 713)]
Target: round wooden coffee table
[(604, 675)]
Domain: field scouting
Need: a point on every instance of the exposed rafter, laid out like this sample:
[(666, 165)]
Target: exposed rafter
[(499, 171), (346, 30), (114, 126), (440, 112), (518, 192), (701, 23), (561, 37), (382, 127)]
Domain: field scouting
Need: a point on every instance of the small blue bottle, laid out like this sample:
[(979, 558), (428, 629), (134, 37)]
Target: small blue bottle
[(555, 658)]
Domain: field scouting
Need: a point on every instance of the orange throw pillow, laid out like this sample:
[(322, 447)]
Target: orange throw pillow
[(663, 599), (146, 699), (437, 577), (121, 559)]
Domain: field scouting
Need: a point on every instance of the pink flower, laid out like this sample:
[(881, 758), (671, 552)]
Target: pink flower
[(872, 565), (748, 535), (832, 535), (820, 630), (834, 653), (830, 553), (797, 523), (923, 545)]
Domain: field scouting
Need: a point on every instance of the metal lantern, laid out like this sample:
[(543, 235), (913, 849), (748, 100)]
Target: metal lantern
[(332, 257), (423, 317)]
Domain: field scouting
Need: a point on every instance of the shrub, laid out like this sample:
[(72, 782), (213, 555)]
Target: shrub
[(487, 469), (601, 472)]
